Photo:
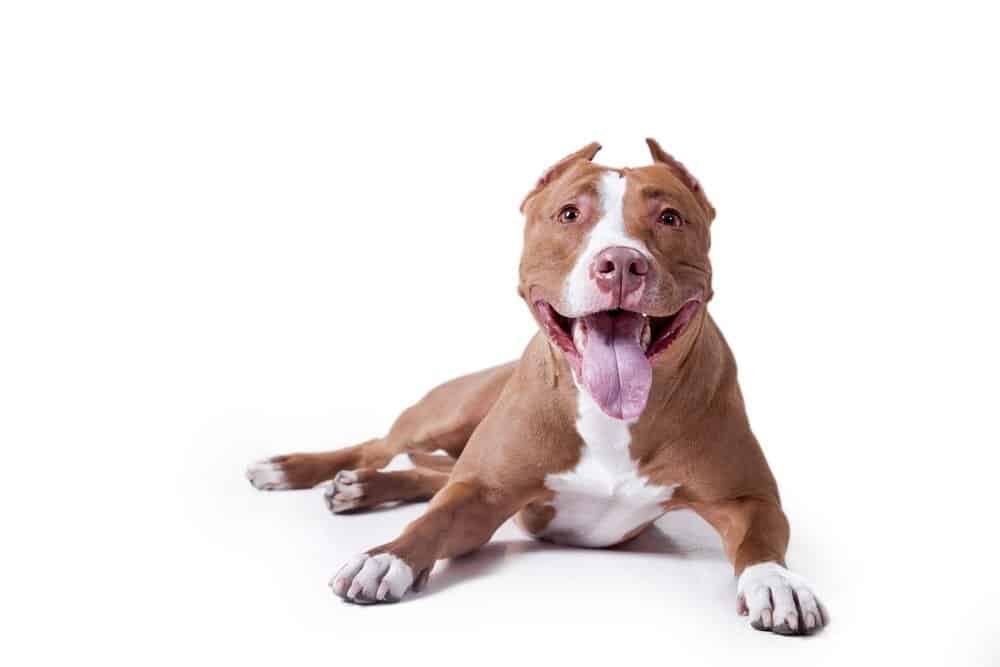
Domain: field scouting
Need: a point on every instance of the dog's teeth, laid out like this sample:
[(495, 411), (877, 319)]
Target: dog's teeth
[(579, 332)]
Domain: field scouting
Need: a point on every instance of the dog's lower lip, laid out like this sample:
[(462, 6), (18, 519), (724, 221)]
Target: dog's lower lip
[(657, 334), (673, 327), (557, 327)]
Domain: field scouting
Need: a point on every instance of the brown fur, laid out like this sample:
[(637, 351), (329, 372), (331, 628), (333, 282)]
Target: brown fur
[(510, 426)]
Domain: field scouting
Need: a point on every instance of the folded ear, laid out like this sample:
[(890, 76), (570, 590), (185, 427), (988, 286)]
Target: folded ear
[(555, 171), (680, 171)]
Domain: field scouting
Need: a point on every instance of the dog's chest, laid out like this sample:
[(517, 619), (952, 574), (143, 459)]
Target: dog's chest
[(603, 498)]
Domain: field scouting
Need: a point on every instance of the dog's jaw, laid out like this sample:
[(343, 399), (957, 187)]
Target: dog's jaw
[(611, 351)]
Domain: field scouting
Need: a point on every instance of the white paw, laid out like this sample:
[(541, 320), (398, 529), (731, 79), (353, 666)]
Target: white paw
[(344, 493), (779, 600), (267, 476), (368, 579)]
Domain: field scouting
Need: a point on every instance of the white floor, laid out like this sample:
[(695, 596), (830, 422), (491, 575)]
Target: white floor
[(164, 554), (252, 569)]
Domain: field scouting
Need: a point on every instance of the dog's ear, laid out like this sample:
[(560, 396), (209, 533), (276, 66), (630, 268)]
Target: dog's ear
[(555, 171), (680, 171)]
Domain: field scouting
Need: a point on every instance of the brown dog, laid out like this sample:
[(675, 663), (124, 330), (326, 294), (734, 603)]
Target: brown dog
[(624, 406)]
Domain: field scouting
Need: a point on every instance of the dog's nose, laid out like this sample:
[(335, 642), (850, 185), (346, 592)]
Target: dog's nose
[(620, 266)]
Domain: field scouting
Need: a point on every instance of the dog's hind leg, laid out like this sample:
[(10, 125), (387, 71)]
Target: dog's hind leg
[(442, 420), (306, 470)]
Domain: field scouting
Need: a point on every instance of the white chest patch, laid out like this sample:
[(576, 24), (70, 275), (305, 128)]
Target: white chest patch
[(603, 498)]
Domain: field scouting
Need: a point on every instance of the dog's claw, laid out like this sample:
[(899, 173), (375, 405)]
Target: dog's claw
[(778, 600), (367, 579), (345, 492)]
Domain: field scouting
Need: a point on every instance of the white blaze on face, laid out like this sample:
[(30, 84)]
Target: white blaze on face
[(609, 232)]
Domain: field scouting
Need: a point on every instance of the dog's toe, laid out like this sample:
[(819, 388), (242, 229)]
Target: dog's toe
[(780, 601), (268, 475), (345, 493), (367, 579)]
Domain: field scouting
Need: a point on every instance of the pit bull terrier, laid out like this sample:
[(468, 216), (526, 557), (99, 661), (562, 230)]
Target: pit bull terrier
[(625, 405)]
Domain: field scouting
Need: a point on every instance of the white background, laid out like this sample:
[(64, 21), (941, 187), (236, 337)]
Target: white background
[(232, 230)]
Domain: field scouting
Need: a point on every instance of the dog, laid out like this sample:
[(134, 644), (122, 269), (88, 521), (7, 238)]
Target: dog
[(624, 405)]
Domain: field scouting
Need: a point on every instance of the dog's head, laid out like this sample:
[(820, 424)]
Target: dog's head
[(614, 267)]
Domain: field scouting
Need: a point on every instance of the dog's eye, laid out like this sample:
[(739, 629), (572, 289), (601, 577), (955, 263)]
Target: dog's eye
[(569, 214), (671, 218)]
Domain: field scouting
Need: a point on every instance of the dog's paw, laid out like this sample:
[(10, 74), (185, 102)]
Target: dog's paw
[(291, 471), (269, 475), (779, 601), (367, 579), (345, 493)]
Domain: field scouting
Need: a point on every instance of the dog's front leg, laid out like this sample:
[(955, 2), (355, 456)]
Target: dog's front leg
[(461, 518), (754, 532)]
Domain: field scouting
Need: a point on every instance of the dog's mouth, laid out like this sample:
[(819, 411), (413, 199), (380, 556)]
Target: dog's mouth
[(610, 351)]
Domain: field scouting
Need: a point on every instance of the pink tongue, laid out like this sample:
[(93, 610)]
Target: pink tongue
[(615, 369)]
